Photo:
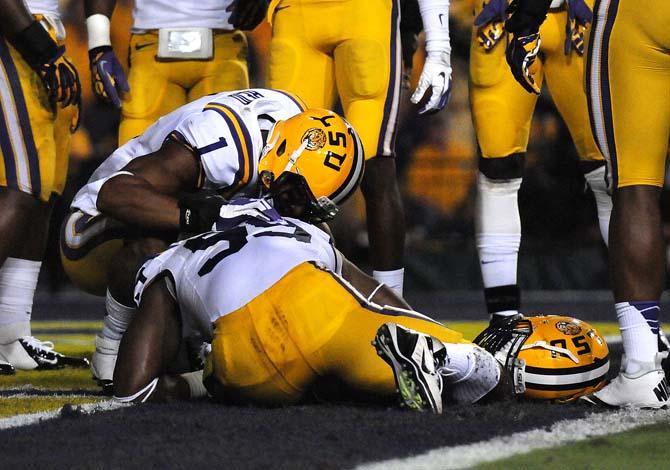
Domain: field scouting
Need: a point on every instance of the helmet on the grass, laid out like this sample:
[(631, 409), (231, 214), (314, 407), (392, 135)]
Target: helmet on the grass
[(549, 357)]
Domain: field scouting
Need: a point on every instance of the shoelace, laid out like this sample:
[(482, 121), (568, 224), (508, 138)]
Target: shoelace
[(37, 344)]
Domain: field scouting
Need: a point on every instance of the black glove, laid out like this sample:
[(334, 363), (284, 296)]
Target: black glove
[(199, 211), (247, 14), (45, 57)]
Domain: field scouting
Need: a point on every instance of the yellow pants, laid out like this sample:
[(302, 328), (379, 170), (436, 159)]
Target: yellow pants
[(322, 48), (308, 325), (34, 136), (502, 110), (159, 87), (88, 246), (628, 83)]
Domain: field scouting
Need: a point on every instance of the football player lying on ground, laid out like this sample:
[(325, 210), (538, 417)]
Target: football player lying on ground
[(283, 309), (131, 206), (286, 314)]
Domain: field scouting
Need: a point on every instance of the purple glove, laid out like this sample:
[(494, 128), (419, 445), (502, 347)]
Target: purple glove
[(107, 75), (491, 23), (580, 17)]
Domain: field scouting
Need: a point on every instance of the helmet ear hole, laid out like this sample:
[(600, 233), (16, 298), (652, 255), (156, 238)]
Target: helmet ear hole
[(282, 148)]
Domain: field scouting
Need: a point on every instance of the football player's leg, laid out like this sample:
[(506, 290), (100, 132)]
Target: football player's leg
[(627, 83), (119, 304), (297, 64), (565, 79), (368, 72), (152, 95), (501, 111), (28, 150), (228, 70), (148, 348)]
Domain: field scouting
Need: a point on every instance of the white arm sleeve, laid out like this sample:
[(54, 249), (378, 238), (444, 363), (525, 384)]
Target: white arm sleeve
[(435, 16)]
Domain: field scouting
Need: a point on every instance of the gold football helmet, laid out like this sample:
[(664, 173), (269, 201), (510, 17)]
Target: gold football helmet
[(312, 162), (549, 357)]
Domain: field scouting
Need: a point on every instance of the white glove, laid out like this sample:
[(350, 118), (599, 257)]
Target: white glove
[(436, 75)]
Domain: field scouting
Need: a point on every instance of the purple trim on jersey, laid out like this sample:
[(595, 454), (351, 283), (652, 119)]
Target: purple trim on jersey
[(388, 104), (297, 103), (24, 120)]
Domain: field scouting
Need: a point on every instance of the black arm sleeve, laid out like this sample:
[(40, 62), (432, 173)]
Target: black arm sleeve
[(528, 15)]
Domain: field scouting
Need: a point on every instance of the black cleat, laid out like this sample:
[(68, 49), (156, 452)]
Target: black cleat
[(6, 368), (411, 356), (29, 353)]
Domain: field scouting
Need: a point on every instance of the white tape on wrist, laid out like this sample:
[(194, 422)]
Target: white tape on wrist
[(98, 27)]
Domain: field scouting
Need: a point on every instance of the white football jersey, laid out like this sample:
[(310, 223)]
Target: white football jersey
[(216, 273), (44, 7), (155, 14), (223, 128)]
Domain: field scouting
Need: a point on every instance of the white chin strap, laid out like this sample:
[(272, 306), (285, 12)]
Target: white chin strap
[(556, 349), (293, 159)]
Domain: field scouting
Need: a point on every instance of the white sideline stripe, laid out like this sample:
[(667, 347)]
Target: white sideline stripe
[(562, 432), (14, 396), (33, 418)]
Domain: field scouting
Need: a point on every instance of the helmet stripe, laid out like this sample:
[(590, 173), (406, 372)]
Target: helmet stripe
[(597, 363), (571, 386), (347, 188), (548, 380)]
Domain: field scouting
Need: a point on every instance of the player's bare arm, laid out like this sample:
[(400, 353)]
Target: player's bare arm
[(15, 17), (145, 193), (371, 288), (147, 349)]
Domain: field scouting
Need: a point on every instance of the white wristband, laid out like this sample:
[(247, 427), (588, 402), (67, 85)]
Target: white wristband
[(98, 27), (435, 16)]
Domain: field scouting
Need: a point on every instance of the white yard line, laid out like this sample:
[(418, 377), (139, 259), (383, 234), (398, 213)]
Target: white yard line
[(560, 433), (33, 418)]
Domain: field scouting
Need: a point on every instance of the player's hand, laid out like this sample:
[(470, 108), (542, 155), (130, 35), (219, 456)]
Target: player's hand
[(436, 75), (490, 23), (522, 51), (61, 80), (247, 14), (107, 77), (199, 211), (580, 17), (47, 59)]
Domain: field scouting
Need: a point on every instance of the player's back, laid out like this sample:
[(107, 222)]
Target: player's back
[(218, 272), (232, 117)]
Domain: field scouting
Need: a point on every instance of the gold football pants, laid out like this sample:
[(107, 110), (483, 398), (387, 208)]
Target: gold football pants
[(502, 110), (628, 84), (349, 48), (308, 325), (159, 87), (34, 135)]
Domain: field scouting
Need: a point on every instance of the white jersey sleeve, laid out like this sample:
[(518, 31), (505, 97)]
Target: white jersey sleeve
[(223, 143), (219, 272)]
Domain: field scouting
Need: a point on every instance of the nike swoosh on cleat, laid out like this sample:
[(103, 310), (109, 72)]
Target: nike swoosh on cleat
[(142, 46)]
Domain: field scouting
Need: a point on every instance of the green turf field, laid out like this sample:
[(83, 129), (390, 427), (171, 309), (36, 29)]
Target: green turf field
[(642, 448), (24, 392)]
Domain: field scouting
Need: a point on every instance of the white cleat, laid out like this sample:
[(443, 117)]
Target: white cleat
[(28, 353), (646, 388), (104, 361)]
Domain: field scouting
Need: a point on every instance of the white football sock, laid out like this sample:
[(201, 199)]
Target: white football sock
[(638, 322), (117, 319), (394, 280), (597, 183), (498, 237), (18, 280)]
